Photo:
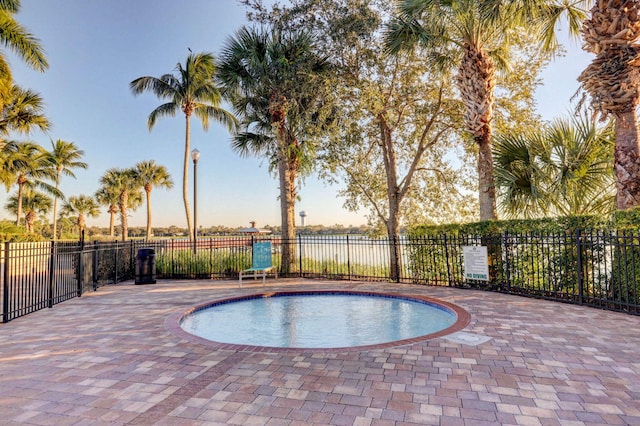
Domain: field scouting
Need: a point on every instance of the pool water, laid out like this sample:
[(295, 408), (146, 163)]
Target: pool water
[(318, 320)]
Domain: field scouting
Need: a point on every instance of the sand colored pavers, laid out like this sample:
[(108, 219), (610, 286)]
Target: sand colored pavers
[(110, 357)]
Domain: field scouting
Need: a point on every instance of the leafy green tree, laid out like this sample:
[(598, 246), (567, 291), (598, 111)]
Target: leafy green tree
[(17, 39), (22, 111), (25, 164), (396, 122), (151, 175), (194, 92), (125, 183), (613, 82), (80, 207), (33, 202), (63, 157), (563, 169), (394, 144), (274, 81), (66, 227), (477, 37)]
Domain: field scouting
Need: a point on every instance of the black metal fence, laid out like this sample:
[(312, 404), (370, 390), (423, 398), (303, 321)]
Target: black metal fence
[(600, 269), (40, 275), (594, 268)]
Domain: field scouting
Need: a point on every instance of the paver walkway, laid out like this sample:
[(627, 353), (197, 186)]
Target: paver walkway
[(108, 358)]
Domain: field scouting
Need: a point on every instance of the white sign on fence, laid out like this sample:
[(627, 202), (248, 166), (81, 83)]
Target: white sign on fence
[(476, 263)]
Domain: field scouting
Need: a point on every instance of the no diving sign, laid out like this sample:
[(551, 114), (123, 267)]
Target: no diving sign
[(476, 263)]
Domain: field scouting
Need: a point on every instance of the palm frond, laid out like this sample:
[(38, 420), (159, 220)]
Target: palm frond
[(219, 115), (22, 112), (165, 110), (249, 143), (21, 42)]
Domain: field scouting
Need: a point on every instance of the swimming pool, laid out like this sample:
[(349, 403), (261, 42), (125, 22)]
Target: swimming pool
[(322, 320)]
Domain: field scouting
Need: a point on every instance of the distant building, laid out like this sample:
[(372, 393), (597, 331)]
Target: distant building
[(254, 230)]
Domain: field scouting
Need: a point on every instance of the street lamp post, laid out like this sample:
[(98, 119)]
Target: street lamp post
[(195, 156)]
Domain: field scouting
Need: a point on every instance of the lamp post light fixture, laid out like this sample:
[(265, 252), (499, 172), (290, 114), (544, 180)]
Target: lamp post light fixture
[(195, 156)]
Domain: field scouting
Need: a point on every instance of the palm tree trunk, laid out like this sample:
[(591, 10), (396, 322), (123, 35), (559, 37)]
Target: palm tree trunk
[(55, 209), (81, 224), (112, 219), (486, 179), (20, 195), (476, 82), (287, 177), (185, 175), (627, 160), (148, 192), (55, 218), (29, 219), (124, 198)]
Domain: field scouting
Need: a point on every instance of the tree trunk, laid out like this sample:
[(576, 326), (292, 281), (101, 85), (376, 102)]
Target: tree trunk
[(627, 160), (394, 197), (287, 171), (486, 180), (476, 82), (19, 201), (148, 193), (29, 219), (55, 212), (393, 232), (185, 175), (112, 219), (81, 225), (124, 198), (287, 213)]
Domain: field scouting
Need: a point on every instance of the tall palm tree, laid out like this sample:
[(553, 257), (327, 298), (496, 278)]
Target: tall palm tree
[(33, 202), (150, 174), (273, 81), (126, 184), (564, 169), (108, 196), (25, 164), (476, 37), (80, 207), (63, 157), (613, 81), (194, 92), (22, 111), (17, 39)]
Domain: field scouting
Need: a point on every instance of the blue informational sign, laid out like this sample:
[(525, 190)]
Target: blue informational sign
[(261, 255)]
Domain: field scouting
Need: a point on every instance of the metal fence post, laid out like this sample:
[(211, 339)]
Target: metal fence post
[(579, 265), (80, 267), (210, 247), (132, 259), (52, 274), (507, 263), (348, 259), (115, 269), (300, 253), (5, 284), (396, 260), (446, 257), (95, 266)]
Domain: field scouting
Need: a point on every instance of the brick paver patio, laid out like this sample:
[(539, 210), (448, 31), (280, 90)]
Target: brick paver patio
[(110, 357)]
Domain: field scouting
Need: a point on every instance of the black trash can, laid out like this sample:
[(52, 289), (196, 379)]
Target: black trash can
[(146, 266)]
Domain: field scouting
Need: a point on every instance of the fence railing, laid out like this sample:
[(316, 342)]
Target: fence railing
[(600, 269)]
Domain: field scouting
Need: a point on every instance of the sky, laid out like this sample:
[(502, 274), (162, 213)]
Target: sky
[(95, 48)]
